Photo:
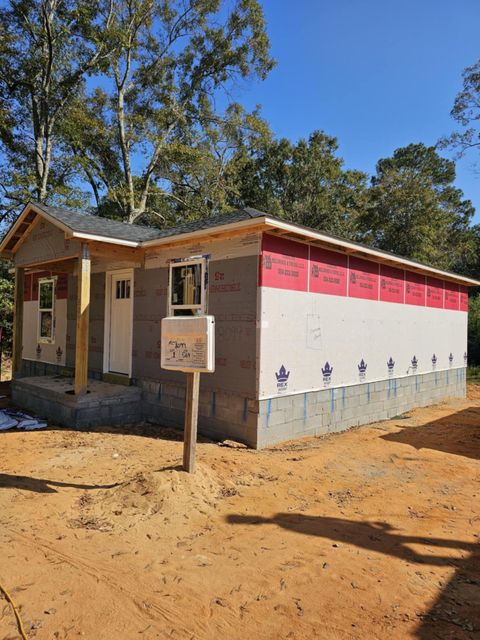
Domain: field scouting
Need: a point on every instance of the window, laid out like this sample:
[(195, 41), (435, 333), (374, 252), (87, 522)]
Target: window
[(122, 291), (188, 287), (46, 309)]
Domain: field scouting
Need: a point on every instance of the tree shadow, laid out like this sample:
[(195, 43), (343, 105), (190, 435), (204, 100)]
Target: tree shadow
[(456, 612), (373, 536), (142, 429), (40, 485), (458, 434)]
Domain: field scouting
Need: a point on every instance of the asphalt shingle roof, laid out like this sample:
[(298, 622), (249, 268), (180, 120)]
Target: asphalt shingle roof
[(82, 222)]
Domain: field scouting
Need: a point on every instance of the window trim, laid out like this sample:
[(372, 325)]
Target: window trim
[(41, 281), (198, 309)]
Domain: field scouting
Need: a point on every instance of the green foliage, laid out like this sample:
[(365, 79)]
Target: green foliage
[(6, 306), (304, 182), (416, 211), (466, 112), (474, 329), (47, 49), (155, 129)]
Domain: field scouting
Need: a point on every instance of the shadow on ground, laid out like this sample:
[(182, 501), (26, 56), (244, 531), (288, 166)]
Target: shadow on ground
[(40, 485), (456, 613), (458, 433), (145, 429), (374, 536)]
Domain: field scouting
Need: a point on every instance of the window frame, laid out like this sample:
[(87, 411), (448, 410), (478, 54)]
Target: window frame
[(124, 289), (197, 309), (42, 281)]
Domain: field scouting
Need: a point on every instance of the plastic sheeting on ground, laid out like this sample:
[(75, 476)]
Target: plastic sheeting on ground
[(13, 419)]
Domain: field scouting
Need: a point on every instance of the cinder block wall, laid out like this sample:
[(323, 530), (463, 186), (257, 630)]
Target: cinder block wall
[(32, 368), (221, 414), (337, 409)]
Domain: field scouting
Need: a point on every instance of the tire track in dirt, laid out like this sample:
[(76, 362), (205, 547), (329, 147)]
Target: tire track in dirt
[(145, 608)]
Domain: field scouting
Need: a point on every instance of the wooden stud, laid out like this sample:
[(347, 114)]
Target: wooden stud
[(32, 223), (83, 312), (18, 322), (191, 420)]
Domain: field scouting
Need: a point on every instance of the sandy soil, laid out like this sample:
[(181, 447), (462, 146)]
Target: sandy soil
[(370, 534)]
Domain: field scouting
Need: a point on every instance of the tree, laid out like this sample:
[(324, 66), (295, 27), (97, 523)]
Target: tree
[(417, 212), (171, 61), (191, 178), (466, 111), (304, 182), (474, 330), (47, 49), (6, 305)]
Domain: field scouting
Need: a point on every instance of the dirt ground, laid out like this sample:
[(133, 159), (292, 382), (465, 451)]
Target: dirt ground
[(369, 534)]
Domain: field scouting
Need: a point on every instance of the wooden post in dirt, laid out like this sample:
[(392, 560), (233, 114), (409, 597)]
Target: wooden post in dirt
[(188, 344), (191, 420), (83, 314), (18, 322)]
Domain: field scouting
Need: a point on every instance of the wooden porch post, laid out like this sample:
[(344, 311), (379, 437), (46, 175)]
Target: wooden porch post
[(191, 419), (18, 322), (83, 313)]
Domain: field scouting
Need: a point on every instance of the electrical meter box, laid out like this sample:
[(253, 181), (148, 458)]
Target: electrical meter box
[(188, 343)]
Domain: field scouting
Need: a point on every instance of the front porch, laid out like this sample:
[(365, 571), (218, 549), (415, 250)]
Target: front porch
[(53, 397), (72, 349)]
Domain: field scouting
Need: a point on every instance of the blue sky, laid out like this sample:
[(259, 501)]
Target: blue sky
[(377, 74)]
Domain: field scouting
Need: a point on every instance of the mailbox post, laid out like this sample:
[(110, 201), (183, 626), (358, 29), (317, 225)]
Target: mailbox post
[(188, 345)]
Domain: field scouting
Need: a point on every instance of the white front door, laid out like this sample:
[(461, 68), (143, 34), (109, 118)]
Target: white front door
[(120, 334)]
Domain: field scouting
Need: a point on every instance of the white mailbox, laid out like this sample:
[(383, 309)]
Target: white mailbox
[(188, 343)]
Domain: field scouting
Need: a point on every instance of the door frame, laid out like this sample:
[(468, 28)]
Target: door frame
[(127, 273)]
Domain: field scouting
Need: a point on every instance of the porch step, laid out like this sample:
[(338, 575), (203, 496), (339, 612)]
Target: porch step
[(117, 378), (104, 404)]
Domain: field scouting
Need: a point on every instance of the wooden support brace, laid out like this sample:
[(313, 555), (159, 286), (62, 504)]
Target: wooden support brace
[(191, 419), (18, 322), (83, 312)]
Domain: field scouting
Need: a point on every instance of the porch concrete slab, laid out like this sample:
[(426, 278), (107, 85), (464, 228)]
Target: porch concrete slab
[(104, 404)]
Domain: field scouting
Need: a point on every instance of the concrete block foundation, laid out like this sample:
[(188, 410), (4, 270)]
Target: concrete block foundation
[(257, 423), (339, 408), (105, 404), (221, 414)]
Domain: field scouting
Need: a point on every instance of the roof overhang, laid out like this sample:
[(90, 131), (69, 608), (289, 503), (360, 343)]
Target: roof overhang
[(29, 217), (290, 230), (303, 234)]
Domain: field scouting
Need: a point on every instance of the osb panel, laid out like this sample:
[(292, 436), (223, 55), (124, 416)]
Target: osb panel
[(232, 300), (97, 322), (228, 248), (96, 327), (45, 242), (71, 320)]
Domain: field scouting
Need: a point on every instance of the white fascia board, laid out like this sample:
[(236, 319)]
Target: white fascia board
[(381, 255), (107, 239)]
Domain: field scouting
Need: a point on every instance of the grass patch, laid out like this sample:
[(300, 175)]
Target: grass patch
[(473, 375)]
